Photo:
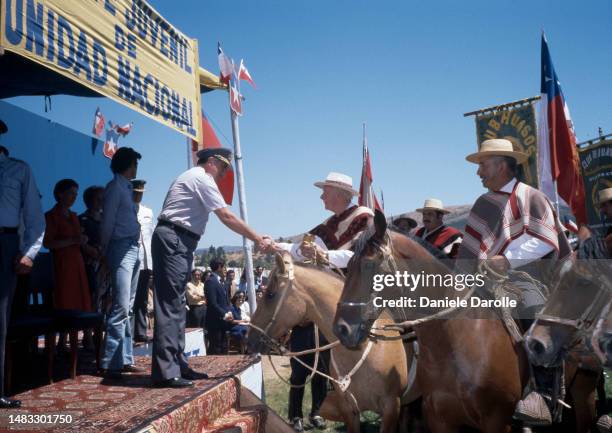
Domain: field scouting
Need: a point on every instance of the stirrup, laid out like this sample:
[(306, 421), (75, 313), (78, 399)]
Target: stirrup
[(533, 410), (604, 424)]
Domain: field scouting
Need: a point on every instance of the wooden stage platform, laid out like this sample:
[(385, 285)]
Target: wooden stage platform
[(91, 404)]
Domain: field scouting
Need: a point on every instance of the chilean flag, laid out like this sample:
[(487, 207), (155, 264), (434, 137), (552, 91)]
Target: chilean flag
[(99, 121), (210, 141), (125, 129), (234, 95), (557, 154), (226, 68), (111, 143), (367, 197), (243, 74)]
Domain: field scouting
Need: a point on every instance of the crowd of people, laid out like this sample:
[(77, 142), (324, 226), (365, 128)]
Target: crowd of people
[(108, 258), (104, 260)]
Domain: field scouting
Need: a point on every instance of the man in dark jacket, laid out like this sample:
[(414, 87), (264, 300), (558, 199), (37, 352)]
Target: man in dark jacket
[(219, 308)]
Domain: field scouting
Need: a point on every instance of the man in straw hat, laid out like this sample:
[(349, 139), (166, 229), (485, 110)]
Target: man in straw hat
[(181, 223), (404, 223), (599, 245), (514, 226), (331, 243), (446, 239)]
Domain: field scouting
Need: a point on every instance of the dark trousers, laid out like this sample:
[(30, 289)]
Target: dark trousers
[(217, 341), (140, 304), (172, 259), (9, 248), (196, 316), (302, 338)]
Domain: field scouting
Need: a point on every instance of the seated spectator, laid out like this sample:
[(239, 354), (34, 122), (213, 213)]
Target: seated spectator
[(196, 301), (238, 329), (259, 294), (245, 309), (64, 239)]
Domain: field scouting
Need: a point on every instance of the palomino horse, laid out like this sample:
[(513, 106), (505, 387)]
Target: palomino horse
[(470, 371), (299, 293)]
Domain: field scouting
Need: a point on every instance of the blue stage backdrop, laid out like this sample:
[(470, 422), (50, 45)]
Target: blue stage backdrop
[(54, 152)]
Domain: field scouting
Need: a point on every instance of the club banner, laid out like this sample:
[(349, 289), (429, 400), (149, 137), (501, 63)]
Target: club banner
[(517, 124), (122, 49), (596, 164)]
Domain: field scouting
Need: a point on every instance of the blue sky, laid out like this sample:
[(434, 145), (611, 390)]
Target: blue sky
[(408, 69)]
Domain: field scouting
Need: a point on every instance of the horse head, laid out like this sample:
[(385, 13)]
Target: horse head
[(279, 310), (571, 312), (355, 313)]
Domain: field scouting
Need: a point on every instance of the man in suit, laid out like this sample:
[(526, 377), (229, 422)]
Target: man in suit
[(219, 308)]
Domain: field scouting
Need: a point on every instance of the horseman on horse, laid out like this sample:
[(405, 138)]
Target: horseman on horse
[(329, 243), (514, 227)]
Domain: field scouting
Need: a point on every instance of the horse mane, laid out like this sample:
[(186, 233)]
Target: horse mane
[(419, 246)]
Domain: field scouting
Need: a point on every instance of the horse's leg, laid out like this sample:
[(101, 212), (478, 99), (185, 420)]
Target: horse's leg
[(582, 391), (390, 415)]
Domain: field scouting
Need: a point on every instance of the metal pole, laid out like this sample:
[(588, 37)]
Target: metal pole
[(246, 244), (189, 158)]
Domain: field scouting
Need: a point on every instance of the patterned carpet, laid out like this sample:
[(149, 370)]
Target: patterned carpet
[(131, 405)]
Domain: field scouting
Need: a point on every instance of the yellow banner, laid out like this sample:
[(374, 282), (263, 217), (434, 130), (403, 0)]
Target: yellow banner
[(122, 49)]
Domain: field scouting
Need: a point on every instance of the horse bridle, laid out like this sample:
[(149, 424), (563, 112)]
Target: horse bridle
[(589, 316), (388, 265)]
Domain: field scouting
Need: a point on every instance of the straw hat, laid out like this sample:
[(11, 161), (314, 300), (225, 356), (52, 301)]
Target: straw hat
[(433, 204), (405, 217), (338, 180), (497, 147), (605, 195)]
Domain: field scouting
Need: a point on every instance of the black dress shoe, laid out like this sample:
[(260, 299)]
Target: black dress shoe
[(194, 375), (128, 368), (297, 424), (317, 422), (7, 403), (112, 374), (175, 382)]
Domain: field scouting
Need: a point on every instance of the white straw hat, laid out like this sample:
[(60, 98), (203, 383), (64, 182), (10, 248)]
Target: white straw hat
[(433, 204), (604, 195), (338, 180), (497, 147)]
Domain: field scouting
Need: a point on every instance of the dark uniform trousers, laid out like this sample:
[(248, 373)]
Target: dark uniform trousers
[(302, 338), (172, 260), (9, 247), (140, 304)]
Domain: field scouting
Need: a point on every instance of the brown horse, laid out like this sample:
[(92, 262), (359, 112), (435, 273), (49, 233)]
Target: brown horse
[(571, 313), (299, 293), (470, 371)]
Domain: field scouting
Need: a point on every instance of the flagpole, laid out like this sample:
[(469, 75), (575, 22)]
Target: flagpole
[(246, 244)]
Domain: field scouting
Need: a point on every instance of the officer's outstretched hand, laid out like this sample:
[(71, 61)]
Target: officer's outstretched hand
[(23, 265)]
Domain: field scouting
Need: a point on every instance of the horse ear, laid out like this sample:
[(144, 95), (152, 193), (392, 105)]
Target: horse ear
[(380, 223), (280, 263)]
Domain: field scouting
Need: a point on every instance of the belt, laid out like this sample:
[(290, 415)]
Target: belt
[(12, 230), (177, 228)]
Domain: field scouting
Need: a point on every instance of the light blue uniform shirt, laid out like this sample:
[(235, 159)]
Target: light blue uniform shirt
[(192, 196), (20, 203), (120, 215)]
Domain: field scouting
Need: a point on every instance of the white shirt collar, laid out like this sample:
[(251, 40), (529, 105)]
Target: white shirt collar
[(218, 276), (509, 186)]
